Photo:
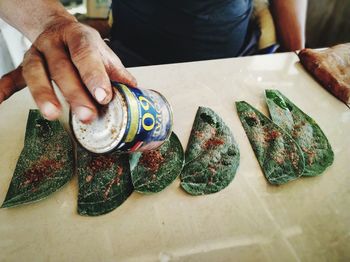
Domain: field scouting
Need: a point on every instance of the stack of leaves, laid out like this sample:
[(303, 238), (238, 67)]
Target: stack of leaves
[(289, 146), (211, 159), (106, 181)]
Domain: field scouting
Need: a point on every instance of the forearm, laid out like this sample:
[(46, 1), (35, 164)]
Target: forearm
[(31, 17), (290, 20)]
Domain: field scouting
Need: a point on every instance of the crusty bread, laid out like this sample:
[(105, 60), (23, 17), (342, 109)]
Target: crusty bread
[(331, 68)]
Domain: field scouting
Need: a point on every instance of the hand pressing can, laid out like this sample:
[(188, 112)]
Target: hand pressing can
[(135, 120)]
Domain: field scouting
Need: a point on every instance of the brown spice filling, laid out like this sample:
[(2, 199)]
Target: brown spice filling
[(114, 181), (88, 178), (198, 134), (152, 160), (213, 142), (272, 135), (295, 159), (298, 126), (100, 163), (40, 170), (297, 129), (311, 155), (279, 159)]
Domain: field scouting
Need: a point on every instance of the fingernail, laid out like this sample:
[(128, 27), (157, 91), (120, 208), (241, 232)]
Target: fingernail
[(83, 113), (100, 94), (49, 111)]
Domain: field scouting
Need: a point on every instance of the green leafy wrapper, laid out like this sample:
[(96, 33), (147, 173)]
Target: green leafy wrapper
[(104, 182), (317, 151), (212, 155), (154, 170), (45, 163), (279, 156)]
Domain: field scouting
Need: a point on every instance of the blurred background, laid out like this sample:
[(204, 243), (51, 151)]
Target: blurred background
[(328, 23)]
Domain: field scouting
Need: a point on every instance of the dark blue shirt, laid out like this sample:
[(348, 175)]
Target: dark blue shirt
[(167, 31)]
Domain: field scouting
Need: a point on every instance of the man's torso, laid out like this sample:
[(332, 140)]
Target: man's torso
[(165, 31)]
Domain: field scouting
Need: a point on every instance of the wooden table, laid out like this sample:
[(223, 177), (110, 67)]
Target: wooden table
[(250, 220)]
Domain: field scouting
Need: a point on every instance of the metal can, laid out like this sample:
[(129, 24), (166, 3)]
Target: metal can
[(135, 120)]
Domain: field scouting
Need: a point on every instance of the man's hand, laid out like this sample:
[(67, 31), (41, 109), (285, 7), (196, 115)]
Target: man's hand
[(76, 58)]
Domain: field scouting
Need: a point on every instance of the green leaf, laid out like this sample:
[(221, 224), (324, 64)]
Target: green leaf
[(104, 182), (153, 171), (278, 154), (317, 151), (212, 155), (45, 163)]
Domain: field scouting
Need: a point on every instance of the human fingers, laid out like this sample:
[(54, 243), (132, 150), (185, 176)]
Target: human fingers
[(86, 57), (115, 69), (35, 75), (65, 75), (10, 83)]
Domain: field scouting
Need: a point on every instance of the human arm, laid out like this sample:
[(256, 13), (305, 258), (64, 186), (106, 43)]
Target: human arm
[(71, 54), (290, 19)]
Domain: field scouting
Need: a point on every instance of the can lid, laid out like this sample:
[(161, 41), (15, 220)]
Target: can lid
[(107, 130)]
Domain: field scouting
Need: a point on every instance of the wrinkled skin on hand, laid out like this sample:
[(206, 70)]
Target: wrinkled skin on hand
[(75, 57)]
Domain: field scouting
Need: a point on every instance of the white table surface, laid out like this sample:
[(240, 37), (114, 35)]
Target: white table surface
[(250, 220)]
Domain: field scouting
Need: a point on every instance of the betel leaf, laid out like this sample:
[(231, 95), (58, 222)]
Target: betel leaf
[(104, 182), (278, 154), (45, 163), (212, 155), (317, 151), (152, 171)]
